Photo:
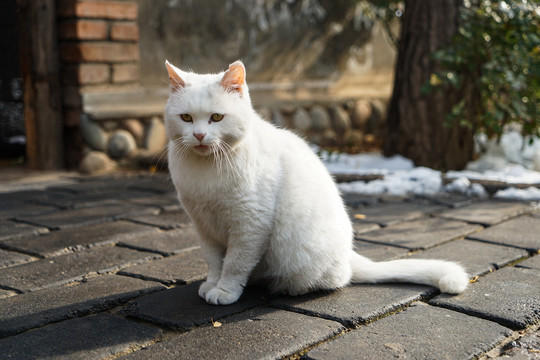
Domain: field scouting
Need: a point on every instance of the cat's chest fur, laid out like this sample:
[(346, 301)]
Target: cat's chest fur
[(220, 200)]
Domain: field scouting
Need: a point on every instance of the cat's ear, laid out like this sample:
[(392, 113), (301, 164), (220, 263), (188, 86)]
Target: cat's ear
[(235, 77), (176, 81)]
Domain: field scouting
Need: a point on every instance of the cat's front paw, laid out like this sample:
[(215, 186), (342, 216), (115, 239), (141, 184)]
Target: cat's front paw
[(218, 296), (205, 288)]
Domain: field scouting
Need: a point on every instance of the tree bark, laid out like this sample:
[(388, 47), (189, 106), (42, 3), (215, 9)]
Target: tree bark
[(416, 122)]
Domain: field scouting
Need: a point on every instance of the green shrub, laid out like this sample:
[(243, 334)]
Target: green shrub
[(495, 60)]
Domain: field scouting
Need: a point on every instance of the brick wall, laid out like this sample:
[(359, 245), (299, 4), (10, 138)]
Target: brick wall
[(98, 41), (98, 48)]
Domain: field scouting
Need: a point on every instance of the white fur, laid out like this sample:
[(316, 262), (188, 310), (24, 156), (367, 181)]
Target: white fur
[(264, 205)]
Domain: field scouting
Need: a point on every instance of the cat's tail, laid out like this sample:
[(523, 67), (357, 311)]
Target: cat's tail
[(449, 277)]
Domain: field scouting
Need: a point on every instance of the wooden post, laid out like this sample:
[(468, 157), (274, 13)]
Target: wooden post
[(41, 84)]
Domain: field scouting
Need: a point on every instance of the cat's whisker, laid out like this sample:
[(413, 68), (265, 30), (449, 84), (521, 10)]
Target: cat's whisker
[(225, 155), (162, 153)]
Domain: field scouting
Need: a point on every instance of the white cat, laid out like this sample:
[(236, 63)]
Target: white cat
[(263, 204)]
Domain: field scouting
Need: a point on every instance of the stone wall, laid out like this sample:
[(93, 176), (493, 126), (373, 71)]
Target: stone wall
[(278, 40), (319, 67), (352, 125)]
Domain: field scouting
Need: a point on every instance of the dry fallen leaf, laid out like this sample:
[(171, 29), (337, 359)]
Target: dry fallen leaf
[(216, 323)]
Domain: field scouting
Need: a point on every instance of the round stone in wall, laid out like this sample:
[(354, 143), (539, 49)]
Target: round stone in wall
[(121, 144), (136, 129), (361, 112), (96, 161), (301, 120), (278, 119), (320, 119), (156, 136), (94, 136), (340, 120)]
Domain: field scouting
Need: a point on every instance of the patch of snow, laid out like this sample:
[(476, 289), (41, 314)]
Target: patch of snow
[(462, 185), (512, 160), (530, 193), (509, 173), (418, 180), (368, 163)]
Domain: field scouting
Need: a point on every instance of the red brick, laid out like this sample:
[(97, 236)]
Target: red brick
[(85, 74), (83, 30), (117, 10), (124, 31), (125, 73), (99, 52)]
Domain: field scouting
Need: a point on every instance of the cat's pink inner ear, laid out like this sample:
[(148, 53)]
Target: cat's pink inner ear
[(174, 78), (235, 77)]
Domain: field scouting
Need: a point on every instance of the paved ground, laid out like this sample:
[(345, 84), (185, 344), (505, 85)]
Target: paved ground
[(108, 267)]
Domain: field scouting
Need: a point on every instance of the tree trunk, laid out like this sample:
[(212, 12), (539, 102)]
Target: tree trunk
[(416, 122)]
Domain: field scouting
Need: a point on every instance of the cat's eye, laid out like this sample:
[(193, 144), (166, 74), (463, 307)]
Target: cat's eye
[(186, 117), (217, 117)]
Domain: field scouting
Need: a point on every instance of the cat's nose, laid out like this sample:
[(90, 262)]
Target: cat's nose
[(199, 136)]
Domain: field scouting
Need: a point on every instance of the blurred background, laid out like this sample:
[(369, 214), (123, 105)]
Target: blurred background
[(83, 84)]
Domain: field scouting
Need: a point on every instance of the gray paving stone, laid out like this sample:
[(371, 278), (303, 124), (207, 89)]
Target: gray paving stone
[(362, 227), (73, 266), (260, 333), (30, 310), (24, 209), (510, 296), (88, 199), (6, 293), (526, 347), (70, 239), (477, 257), (420, 234), (12, 229), (85, 216), (11, 258), (166, 220), (182, 308), (531, 263), (98, 185), (355, 304), (157, 183), (522, 232), (186, 267), (378, 252), (448, 199), (488, 213), (166, 202), (358, 200), (388, 214), (418, 332), (166, 243), (25, 196), (99, 336)]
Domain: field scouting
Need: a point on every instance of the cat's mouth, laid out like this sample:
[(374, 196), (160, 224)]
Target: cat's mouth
[(202, 149)]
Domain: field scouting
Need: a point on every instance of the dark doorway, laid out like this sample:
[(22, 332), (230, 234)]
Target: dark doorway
[(12, 134)]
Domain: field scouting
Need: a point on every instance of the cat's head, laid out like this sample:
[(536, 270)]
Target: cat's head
[(207, 113)]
